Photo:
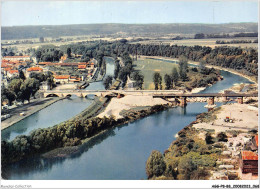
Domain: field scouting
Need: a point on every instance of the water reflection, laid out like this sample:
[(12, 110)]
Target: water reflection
[(38, 164), (49, 116)]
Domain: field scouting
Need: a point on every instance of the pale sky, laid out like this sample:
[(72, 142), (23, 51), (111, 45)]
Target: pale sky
[(14, 13)]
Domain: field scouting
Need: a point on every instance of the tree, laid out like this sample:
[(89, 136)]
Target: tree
[(138, 78), (21, 75), (199, 36), (41, 39), (155, 165), (15, 85), (168, 81), (175, 76), (117, 67), (7, 94), (183, 63), (108, 82), (33, 85), (38, 76), (157, 79), (69, 52)]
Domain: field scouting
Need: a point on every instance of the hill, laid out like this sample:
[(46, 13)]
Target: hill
[(25, 32)]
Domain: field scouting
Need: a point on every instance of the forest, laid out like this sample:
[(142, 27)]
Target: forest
[(242, 60)]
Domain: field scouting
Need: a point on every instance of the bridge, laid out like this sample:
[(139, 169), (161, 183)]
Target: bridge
[(85, 93), (165, 94), (183, 97)]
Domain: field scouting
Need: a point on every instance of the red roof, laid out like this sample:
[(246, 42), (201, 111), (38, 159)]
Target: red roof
[(4, 65), (61, 76), (44, 63), (34, 69), (82, 66), (256, 139), (13, 71), (249, 155), (8, 69)]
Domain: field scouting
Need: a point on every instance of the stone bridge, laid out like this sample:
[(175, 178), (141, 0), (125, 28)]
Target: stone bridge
[(155, 93)]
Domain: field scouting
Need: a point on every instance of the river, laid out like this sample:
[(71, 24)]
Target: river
[(121, 152)]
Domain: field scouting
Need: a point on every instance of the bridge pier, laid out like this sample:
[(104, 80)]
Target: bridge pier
[(240, 100), (211, 101), (224, 98), (183, 102)]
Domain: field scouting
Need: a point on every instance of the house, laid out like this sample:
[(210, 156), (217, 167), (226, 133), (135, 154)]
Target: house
[(249, 162), (82, 67), (17, 58), (61, 79), (69, 64), (254, 145), (34, 69), (74, 79), (11, 73), (45, 63), (90, 65)]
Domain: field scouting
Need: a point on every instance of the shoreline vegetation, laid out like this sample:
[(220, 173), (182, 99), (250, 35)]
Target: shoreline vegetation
[(207, 148), (252, 79), (70, 133)]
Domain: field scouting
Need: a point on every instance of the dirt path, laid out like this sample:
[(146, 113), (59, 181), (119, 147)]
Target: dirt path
[(28, 109)]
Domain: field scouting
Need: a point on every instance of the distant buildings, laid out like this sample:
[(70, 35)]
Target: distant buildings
[(17, 58), (63, 79), (248, 162)]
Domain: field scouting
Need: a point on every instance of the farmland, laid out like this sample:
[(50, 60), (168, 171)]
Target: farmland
[(149, 66), (204, 42)]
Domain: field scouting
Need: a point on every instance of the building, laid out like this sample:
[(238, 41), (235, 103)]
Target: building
[(82, 67), (11, 73), (34, 69), (74, 79), (249, 162), (61, 79), (17, 58)]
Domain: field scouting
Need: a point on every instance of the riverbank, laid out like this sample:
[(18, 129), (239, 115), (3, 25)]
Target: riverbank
[(117, 105), (28, 109), (70, 133), (208, 66), (209, 148)]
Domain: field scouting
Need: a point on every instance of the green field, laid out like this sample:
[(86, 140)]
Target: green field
[(149, 66)]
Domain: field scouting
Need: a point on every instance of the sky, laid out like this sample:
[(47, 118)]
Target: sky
[(17, 13)]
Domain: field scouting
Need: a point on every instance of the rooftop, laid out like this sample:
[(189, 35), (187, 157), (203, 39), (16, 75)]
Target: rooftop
[(61, 76), (34, 69), (249, 155)]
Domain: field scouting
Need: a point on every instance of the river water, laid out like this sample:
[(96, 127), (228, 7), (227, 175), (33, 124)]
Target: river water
[(121, 152)]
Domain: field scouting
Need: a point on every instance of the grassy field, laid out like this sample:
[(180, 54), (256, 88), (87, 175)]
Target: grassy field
[(149, 66), (205, 42)]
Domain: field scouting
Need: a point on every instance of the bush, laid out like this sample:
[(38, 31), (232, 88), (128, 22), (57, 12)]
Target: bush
[(155, 165), (209, 139), (222, 137)]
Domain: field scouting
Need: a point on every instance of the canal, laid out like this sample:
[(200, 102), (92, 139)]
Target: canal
[(119, 153)]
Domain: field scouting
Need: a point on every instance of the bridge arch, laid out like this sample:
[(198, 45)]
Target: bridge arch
[(52, 95)]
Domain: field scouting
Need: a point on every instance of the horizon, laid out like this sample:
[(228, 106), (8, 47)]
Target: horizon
[(135, 24), (52, 13)]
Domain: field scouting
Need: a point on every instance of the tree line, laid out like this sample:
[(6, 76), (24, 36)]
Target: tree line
[(236, 41), (21, 88)]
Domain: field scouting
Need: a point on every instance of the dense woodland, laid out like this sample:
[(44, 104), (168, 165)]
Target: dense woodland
[(242, 60)]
